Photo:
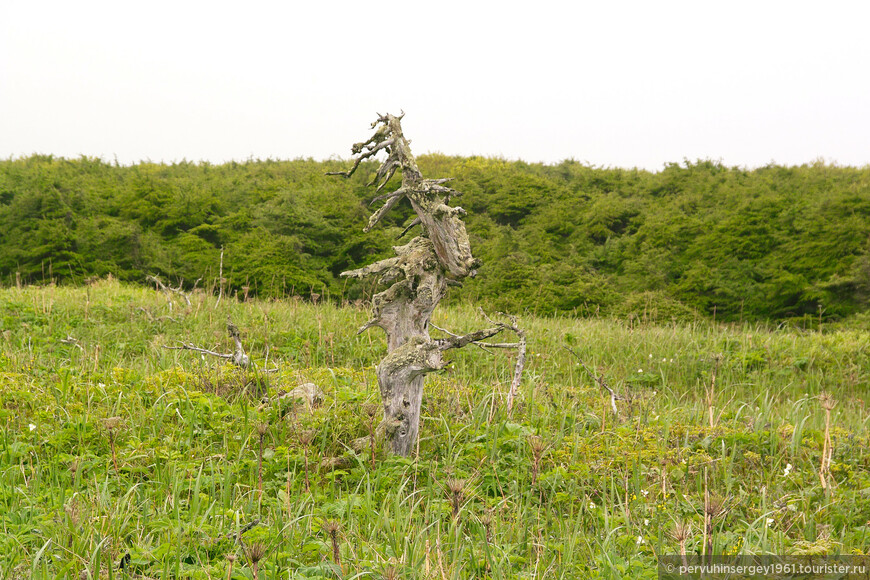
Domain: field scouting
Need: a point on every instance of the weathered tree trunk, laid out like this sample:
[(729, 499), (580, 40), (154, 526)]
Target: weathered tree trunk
[(416, 280)]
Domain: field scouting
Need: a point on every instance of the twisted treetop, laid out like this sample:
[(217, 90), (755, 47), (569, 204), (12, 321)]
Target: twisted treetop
[(442, 223)]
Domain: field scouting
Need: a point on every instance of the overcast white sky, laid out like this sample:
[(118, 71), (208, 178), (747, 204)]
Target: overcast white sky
[(613, 83)]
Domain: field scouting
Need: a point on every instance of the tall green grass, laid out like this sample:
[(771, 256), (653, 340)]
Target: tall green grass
[(608, 493)]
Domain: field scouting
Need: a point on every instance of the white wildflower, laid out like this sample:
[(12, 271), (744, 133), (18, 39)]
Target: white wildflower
[(769, 522), (640, 540), (640, 370), (644, 492), (591, 505), (788, 469), (645, 522), (31, 426)]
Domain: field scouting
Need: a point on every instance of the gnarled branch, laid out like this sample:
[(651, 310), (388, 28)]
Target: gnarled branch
[(520, 346)]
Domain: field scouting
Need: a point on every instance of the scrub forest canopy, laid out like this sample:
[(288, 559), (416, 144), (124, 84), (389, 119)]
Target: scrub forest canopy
[(695, 239)]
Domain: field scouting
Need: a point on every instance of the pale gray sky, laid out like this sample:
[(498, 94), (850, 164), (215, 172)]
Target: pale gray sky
[(613, 83)]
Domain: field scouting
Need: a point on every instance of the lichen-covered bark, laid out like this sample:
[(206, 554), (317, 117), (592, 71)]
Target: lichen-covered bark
[(400, 378), (416, 285), (446, 229), (416, 279)]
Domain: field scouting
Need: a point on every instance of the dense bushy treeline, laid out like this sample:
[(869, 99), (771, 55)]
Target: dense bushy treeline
[(770, 243)]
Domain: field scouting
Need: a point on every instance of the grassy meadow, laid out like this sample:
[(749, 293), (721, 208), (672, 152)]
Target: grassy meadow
[(122, 459)]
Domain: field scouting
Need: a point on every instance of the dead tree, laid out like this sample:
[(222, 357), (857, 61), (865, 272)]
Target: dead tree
[(238, 356), (416, 279)]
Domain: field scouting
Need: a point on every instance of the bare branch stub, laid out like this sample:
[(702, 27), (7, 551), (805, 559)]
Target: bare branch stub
[(240, 359), (520, 345), (416, 278)]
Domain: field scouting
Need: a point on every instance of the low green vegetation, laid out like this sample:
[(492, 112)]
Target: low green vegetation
[(122, 459), (697, 239)]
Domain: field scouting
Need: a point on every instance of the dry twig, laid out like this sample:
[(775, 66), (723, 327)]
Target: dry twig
[(520, 346)]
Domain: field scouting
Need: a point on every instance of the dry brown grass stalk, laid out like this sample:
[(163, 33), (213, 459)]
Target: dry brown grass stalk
[(828, 403)]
